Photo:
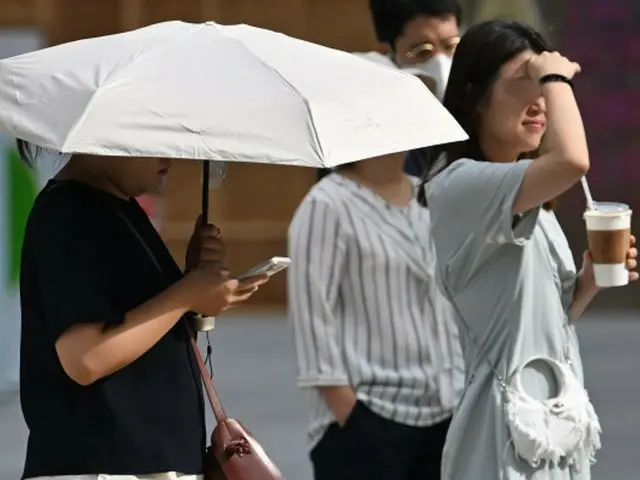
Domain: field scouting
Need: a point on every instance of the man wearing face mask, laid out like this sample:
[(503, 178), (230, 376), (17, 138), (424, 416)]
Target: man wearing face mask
[(420, 37)]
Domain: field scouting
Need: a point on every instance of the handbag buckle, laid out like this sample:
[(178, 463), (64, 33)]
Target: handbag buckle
[(238, 447)]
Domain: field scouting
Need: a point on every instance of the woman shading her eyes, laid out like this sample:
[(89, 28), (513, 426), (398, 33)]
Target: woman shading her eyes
[(505, 264)]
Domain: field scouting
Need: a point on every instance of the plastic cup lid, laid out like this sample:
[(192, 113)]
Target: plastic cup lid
[(608, 208)]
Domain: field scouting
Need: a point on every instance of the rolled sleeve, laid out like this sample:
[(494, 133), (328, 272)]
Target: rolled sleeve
[(507, 179), (317, 251)]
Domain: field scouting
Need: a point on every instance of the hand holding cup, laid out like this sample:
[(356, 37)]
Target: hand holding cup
[(612, 252)]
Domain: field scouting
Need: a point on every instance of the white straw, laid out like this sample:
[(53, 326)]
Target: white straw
[(587, 193)]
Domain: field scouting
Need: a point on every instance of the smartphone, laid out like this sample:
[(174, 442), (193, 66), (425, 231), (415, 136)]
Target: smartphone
[(270, 267)]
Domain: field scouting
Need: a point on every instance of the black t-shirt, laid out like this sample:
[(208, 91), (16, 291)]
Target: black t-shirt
[(82, 263)]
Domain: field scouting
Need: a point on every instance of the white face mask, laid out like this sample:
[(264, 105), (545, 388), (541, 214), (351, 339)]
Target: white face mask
[(438, 68)]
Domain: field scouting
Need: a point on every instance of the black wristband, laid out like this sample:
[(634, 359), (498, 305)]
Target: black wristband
[(556, 77)]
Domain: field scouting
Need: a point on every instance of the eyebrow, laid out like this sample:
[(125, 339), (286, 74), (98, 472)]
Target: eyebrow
[(450, 39)]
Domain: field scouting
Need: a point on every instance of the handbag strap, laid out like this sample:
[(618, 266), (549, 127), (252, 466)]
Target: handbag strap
[(502, 381), (210, 389)]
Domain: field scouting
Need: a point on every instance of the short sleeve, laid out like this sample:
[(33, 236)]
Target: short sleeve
[(72, 258), (471, 206)]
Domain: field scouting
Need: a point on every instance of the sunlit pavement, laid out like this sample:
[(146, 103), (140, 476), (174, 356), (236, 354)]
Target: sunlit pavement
[(255, 371)]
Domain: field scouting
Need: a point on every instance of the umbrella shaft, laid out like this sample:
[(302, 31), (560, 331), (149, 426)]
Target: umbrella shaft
[(205, 192)]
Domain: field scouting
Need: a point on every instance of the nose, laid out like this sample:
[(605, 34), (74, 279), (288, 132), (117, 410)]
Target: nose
[(537, 108), (540, 105)]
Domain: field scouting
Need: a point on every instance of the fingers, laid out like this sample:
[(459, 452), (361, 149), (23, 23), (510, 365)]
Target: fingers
[(230, 285), (251, 285), (210, 244), (577, 67), (212, 267), (251, 282), (208, 230), (247, 287), (632, 255), (632, 262), (244, 295)]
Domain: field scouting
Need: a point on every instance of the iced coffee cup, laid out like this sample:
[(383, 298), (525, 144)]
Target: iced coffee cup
[(608, 232)]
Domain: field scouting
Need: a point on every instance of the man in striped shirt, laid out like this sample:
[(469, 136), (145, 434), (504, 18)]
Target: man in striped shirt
[(377, 347)]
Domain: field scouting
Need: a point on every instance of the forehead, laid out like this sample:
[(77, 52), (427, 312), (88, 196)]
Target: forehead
[(517, 65), (426, 29)]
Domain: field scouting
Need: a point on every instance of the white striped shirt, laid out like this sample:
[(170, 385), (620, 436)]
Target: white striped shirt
[(365, 307)]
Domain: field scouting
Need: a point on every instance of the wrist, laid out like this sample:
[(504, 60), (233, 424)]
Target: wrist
[(587, 282), (555, 78), (557, 87), (180, 295)]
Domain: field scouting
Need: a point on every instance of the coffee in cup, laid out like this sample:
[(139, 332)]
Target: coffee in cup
[(608, 233)]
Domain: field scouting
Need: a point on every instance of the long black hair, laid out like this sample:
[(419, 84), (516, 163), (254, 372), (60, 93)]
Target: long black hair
[(482, 51)]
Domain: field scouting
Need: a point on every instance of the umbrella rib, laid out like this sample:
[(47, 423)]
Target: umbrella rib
[(78, 123), (307, 106)]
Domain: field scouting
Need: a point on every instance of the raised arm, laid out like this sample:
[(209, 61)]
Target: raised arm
[(567, 156)]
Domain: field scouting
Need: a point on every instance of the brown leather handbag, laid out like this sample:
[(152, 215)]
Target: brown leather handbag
[(234, 454)]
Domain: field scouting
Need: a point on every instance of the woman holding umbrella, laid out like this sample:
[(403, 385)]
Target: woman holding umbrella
[(109, 383)]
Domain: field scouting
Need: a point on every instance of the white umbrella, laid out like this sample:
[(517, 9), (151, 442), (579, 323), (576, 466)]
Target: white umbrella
[(213, 92)]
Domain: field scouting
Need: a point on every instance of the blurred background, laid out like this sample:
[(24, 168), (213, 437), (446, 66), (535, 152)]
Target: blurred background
[(255, 204)]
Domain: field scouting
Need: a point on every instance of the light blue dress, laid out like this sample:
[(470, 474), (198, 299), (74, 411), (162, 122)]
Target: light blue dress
[(513, 286)]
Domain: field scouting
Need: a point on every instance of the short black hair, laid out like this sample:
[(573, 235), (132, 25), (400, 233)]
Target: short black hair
[(391, 16)]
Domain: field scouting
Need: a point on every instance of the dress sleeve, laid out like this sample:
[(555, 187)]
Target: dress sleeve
[(471, 208), (74, 265), (317, 251)]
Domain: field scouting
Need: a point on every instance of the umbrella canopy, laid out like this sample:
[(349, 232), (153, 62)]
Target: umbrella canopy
[(214, 92)]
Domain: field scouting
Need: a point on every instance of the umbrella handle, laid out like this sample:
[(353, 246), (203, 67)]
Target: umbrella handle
[(205, 324)]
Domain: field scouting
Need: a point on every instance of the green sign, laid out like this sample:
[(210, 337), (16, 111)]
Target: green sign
[(21, 189)]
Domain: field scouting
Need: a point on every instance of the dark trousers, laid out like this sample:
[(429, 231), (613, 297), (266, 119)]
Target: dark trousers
[(373, 448)]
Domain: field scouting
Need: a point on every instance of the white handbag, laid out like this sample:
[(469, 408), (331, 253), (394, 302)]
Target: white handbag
[(557, 429), (560, 429)]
